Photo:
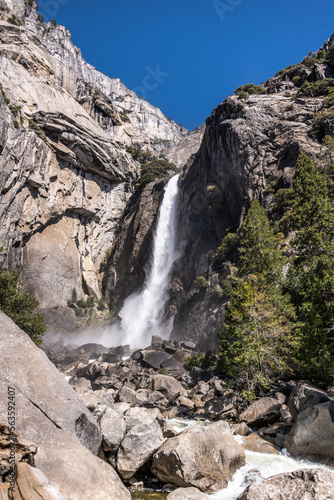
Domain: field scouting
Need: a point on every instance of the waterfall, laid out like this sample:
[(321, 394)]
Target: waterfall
[(142, 313)]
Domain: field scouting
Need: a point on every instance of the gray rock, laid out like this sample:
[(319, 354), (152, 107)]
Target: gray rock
[(55, 419), (203, 457), (254, 442), (44, 386), (154, 359), (299, 485), (113, 429), (262, 412), (215, 407), (305, 395), (138, 446), (312, 436), (186, 494), (240, 429), (92, 399), (168, 386)]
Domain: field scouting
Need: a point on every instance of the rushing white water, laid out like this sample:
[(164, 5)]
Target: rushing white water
[(260, 465), (142, 313)]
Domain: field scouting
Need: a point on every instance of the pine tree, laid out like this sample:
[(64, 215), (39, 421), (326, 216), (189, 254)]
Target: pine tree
[(258, 340), (311, 275), (259, 251), (20, 306)]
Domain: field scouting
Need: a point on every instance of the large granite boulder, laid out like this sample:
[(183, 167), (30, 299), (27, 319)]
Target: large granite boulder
[(168, 386), (305, 395), (51, 415), (138, 446), (312, 436), (299, 485), (113, 428), (203, 457), (262, 412)]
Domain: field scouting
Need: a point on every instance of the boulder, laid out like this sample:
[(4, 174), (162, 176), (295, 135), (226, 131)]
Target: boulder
[(254, 442), (215, 407), (168, 386), (138, 446), (262, 412), (26, 368), (156, 398), (135, 415), (203, 457), (92, 399), (53, 417), (312, 436), (240, 429), (127, 395), (186, 403), (154, 359), (299, 485), (173, 368), (305, 395), (186, 494), (113, 429)]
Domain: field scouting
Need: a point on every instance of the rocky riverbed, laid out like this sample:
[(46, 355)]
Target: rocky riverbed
[(105, 422), (164, 426)]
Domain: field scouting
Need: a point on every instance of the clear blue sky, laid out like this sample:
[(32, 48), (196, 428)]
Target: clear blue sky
[(201, 49)]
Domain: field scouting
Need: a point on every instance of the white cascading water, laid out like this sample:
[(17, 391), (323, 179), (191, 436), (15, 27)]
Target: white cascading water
[(142, 313)]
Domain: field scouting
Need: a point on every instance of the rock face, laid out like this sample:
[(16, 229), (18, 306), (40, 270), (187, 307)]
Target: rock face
[(125, 270), (65, 174), (50, 414), (187, 147), (204, 457), (249, 151), (299, 485)]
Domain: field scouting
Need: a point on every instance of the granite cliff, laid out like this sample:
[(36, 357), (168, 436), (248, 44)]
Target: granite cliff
[(65, 174)]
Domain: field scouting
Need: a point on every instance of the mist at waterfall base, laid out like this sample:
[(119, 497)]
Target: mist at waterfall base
[(142, 313)]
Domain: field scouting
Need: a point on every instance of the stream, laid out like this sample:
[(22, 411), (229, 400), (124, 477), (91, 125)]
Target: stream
[(258, 465)]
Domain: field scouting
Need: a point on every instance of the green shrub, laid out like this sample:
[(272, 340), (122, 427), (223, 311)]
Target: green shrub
[(153, 170), (102, 304), (205, 361), (218, 292), (74, 297), (251, 88), (229, 244), (329, 101), (140, 155), (201, 283), (20, 306), (124, 116), (16, 124), (15, 109), (290, 107), (34, 126), (14, 20), (318, 88), (7, 101), (297, 80)]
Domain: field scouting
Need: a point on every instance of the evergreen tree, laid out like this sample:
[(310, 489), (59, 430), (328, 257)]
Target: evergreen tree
[(20, 306), (259, 251), (311, 275), (258, 339)]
